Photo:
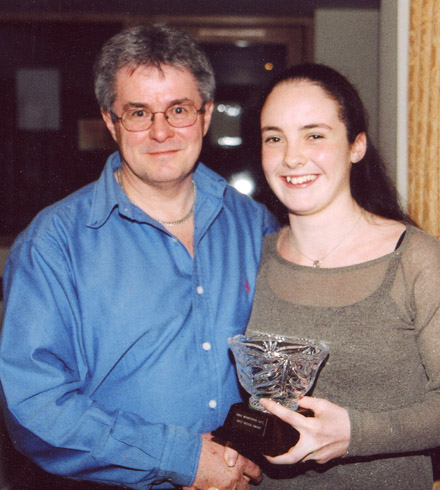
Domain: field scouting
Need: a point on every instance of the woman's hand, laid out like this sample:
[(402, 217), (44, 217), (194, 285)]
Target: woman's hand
[(323, 437)]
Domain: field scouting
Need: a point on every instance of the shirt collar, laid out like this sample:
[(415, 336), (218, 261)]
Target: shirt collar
[(209, 182), (108, 194)]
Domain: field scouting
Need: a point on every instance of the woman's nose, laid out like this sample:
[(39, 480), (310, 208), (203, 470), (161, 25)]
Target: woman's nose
[(294, 156)]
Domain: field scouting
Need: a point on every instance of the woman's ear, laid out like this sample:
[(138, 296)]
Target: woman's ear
[(358, 148)]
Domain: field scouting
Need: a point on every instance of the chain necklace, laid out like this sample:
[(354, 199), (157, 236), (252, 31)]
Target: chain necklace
[(317, 262), (164, 223)]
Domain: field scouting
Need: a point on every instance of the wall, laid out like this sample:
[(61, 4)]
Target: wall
[(371, 48), (348, 40), (393, 102)]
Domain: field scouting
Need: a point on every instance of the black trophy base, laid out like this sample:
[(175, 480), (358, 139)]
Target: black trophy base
[(252, 432)]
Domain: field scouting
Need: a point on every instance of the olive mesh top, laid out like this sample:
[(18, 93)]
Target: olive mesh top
[(381, 321)]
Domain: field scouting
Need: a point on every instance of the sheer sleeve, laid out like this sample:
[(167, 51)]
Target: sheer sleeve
[(415, 426)]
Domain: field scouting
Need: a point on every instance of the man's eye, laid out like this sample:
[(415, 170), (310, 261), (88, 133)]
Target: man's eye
[(315, 136), (179, 111), (138, 114)]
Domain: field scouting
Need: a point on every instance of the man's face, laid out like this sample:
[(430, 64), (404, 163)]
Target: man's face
[(161, 154)]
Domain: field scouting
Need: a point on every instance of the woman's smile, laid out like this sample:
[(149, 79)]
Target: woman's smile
[(301, 180)]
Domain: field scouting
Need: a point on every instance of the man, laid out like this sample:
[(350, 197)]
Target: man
[(119, 300)]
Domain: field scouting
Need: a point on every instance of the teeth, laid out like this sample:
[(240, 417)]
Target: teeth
[(300, 180)]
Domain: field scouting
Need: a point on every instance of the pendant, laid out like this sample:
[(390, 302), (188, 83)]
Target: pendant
[(317, 263)]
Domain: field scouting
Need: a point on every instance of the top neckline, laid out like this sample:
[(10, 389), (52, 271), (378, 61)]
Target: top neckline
[(400, 247)]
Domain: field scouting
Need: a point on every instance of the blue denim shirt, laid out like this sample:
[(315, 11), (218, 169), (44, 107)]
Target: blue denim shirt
[(114, 354)]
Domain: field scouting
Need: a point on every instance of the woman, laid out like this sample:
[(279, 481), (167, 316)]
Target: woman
[(353, 271)]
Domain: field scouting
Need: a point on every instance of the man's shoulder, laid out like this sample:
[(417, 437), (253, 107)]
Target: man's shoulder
[(64, 216), (218, 185), (244, 209)]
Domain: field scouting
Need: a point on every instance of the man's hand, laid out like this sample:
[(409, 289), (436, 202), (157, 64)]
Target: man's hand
[(223, 470)]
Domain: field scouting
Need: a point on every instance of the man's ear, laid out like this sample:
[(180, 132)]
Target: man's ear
[(358, 148), (209, 107), (109, 123)]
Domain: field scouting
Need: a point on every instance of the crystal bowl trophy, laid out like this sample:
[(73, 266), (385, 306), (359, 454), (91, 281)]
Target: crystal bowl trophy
[(269, 366)]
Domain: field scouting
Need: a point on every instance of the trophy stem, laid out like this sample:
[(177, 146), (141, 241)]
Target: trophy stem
[(254, 403)]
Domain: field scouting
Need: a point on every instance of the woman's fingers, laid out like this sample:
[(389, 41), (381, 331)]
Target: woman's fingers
[(285, 458), (293, 418), (323, 437), (310, 403), (295, 453)]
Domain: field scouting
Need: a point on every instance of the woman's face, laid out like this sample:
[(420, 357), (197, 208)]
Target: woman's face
[(306, 155)]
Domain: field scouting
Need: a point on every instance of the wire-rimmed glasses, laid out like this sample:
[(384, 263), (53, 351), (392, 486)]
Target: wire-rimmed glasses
[(177, 116)]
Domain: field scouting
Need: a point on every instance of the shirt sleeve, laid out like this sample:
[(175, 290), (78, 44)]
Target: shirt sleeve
[(416, 426), (50, 412)]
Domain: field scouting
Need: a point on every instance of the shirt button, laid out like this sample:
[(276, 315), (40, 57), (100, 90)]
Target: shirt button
[(206, 345), (199, 290), (212, 403)]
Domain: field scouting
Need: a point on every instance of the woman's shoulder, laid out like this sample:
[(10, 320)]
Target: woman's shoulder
[(422, 238), (404, 238), (421, 248), (270, 240), (269, 245)]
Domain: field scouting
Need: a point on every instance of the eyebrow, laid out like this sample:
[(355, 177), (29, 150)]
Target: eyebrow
[(270, 128), (303, 128), (316, 125), (142, 105)]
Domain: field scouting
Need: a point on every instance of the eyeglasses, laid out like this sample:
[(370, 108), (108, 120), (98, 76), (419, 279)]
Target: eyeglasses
[(177, 116)]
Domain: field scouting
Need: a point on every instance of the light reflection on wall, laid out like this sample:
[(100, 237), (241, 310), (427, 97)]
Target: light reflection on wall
[(243, 182), (225, 128)]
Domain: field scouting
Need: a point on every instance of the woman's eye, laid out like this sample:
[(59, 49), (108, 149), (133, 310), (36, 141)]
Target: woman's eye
[(272, 139), (315, 136)]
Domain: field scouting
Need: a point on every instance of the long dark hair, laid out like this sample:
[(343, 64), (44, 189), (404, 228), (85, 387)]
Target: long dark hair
[(370, 185)]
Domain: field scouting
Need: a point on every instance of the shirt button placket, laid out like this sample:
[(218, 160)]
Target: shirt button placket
[(207, 346)]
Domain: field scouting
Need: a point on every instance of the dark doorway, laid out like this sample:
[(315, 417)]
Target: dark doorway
[(232, 145), (46, 87)]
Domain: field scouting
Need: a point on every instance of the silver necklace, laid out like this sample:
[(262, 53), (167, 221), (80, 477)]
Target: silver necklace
[(317, 262), (164, 223)]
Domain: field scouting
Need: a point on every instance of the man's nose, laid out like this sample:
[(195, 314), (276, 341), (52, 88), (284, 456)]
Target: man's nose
[(160, 130)]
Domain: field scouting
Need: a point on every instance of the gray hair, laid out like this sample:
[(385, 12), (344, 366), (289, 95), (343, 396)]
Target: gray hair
[(152, 45)]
